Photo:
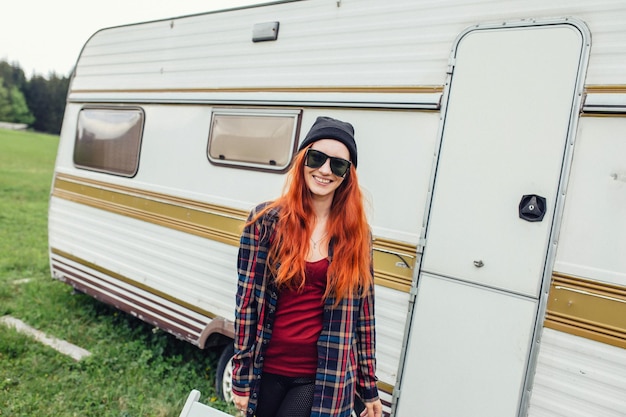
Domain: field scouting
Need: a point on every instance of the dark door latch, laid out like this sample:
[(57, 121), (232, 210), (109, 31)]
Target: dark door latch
[(532, 208)]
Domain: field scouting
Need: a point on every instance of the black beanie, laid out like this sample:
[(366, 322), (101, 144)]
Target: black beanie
[(329, 128)]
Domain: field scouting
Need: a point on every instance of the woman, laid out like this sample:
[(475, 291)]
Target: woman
[(304, 322)]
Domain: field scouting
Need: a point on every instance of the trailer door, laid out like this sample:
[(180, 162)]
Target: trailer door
[(510, 111)]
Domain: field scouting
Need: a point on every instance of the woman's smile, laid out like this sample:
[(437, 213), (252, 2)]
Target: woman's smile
[(322, 180)]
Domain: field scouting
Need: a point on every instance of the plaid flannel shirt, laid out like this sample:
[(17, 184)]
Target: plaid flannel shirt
[(345, 348)]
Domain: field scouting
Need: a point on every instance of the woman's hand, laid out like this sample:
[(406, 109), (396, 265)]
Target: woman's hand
[(373, 409), (241, 402)]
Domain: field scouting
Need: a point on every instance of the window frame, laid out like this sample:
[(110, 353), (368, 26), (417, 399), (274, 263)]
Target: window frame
[(141, 129), (295, 114)]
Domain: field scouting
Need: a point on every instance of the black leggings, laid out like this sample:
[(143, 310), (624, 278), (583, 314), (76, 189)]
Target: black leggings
[(283, 396)]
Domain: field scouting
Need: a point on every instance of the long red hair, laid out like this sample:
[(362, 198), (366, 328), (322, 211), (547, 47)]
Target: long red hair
[(349, 272)]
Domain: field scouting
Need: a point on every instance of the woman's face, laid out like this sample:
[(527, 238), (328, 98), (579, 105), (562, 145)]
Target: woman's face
[(321, 181)]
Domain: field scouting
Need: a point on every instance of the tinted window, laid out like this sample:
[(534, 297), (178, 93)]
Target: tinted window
[(108, 140), (261, 139)]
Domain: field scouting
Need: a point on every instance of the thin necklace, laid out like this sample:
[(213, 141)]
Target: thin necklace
[(318, 241)]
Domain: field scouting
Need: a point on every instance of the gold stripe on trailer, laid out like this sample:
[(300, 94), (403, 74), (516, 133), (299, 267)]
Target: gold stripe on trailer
[(393, 261), (385, 387), (605, 89), (210, 221), (589, 309)]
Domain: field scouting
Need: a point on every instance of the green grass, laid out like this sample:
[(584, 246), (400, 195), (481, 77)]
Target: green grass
[(134, 370)]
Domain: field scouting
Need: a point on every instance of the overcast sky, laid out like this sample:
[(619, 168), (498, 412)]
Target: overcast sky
[(43, 36)]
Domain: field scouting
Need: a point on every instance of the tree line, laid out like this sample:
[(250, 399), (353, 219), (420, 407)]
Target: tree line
[(38, 102)]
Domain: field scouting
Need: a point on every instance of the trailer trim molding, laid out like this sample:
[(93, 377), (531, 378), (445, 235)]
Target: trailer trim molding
[(182, 319), (400, 97), (590, 309)]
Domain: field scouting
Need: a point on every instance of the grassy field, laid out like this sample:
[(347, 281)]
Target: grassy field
[(134, 370)]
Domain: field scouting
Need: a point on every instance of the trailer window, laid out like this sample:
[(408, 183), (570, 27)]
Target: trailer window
[(108, 140), (253, 139)]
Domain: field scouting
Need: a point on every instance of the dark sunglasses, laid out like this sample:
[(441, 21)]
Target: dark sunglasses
[(315, 159)]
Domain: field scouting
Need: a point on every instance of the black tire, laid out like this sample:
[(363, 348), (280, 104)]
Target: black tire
[(223, 375)]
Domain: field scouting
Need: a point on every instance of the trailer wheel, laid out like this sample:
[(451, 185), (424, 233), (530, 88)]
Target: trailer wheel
[(224, 374)]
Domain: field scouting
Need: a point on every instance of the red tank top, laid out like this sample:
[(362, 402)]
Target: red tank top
[(292, 350)]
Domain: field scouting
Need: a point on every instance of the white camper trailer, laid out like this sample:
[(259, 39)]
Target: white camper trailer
[(492, 142)]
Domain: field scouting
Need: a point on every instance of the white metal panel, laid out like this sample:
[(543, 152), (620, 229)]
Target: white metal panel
[(358, 43), (396, 156), (578, 377), (469, 347), (596, 247), (502, 140), (181, 265)]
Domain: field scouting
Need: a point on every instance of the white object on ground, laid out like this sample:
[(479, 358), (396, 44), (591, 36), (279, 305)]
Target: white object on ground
[(66, 348)]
